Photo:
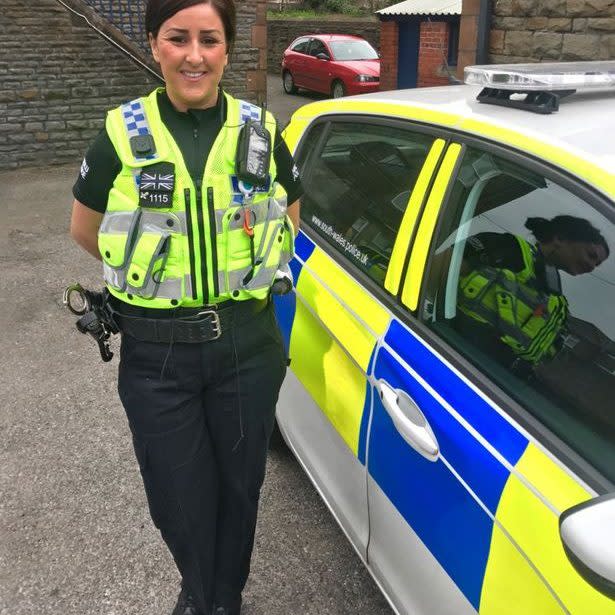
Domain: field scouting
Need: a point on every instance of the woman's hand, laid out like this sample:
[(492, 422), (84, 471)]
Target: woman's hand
[(293, 211), (84, 226)]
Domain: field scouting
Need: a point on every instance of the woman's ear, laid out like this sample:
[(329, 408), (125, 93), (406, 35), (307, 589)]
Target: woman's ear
[(153, 43)]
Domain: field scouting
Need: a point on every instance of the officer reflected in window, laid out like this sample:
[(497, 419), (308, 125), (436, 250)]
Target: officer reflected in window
[(190, 198), (511, 305)]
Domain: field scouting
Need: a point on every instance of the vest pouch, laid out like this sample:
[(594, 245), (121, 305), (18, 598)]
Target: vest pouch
[(147, 263), (267, 258), (116, 238)]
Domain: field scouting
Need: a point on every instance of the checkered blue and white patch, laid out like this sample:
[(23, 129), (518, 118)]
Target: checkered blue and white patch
[(248, 111), (135, 121)]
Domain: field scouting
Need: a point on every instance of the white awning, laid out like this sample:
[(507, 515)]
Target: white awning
[(423, 7)]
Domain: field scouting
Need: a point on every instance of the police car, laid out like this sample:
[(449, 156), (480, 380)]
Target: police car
[(465, 483)]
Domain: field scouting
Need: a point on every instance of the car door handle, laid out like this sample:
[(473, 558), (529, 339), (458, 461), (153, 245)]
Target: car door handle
[(409, 421)]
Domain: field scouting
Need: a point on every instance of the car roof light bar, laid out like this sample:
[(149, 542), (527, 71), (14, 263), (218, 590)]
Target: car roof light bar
[(545, 77), (537, 87)]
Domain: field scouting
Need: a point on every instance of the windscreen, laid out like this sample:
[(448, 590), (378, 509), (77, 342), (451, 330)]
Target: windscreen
[(352, 50)]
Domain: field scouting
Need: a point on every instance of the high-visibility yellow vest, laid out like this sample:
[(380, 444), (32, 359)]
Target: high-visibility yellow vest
[(191, 246), (528, 318)]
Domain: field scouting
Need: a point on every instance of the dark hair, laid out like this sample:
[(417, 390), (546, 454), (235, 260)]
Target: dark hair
[(158, 11), (569, 228)]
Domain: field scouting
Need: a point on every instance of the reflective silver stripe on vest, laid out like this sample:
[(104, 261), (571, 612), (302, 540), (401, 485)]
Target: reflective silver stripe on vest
[(169, 289), (124, 221), (116, 278), (173, 222), (136, 123), (262, 279)]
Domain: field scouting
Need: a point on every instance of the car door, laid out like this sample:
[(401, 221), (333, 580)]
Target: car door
[(363, 180), (474, 461), (318, 69), (297, 62)]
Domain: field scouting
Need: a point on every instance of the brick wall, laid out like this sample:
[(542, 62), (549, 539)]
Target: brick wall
[(551, 30), (433, 51), (282, 32), (389, 42), (56, 88)]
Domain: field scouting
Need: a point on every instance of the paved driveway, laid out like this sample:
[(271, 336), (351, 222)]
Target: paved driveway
[(75, 536), (283, 105)]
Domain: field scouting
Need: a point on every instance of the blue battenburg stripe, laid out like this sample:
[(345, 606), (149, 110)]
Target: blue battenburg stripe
[(304, 246), (483, 473), (286, 305), (366, 412), (435, 504), (490, 424), (430, 497)]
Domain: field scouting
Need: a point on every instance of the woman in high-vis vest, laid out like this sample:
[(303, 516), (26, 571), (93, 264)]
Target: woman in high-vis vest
[(189, 197), (510, 299)]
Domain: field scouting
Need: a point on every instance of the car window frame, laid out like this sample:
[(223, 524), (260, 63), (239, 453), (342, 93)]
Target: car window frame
[(539, 432), (317, 40), (306, 226), (300, 40)]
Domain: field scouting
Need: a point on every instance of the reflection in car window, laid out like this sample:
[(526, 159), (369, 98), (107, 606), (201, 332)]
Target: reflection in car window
[(352, 50), (317, 47), (301, 46), (357, 186), (522, 282)]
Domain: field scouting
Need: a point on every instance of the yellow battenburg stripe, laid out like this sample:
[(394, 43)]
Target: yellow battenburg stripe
[(293, 132), (576, 164), (381, 108), (340, 343), (412, 285), (408, 223), (534, 527), (511, 586)]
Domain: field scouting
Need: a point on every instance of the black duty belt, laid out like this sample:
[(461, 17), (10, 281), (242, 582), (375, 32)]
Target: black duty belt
[(186, 325)]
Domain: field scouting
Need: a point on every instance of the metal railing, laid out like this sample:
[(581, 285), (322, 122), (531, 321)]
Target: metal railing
[(126, 15)]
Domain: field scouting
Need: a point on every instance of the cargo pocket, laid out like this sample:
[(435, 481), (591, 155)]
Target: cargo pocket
[(116, 239), (147, 264)]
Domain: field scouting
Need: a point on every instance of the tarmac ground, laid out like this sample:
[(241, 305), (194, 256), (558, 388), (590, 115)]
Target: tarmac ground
[(75, 534)]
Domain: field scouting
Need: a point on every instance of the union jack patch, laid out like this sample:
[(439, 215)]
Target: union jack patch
[(156, 185)]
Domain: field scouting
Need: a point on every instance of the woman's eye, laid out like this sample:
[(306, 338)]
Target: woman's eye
[(177, 39), (209, 41)]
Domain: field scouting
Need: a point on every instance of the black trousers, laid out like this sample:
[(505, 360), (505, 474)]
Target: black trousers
[(201, 416)]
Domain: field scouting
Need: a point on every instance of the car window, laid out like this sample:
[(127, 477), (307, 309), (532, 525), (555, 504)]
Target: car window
[(318, 47), (353, 50), (301, 46), (357, 180), (521, 282)]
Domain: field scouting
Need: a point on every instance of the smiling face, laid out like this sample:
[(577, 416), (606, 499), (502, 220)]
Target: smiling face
[(191, 49)]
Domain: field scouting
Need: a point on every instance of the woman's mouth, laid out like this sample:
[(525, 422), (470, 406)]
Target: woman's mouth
[(192, 75)]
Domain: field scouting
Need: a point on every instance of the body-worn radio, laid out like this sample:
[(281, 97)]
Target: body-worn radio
[(253, 153)]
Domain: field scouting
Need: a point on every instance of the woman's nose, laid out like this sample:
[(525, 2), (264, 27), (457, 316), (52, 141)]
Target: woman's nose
[(193, 53)]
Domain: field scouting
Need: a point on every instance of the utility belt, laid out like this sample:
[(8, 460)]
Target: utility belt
[(183, 325)]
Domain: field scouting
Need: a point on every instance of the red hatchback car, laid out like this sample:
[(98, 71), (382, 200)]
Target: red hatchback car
[(335, 64)]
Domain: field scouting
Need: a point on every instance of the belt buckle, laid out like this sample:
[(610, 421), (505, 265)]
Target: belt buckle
[(215, 322)]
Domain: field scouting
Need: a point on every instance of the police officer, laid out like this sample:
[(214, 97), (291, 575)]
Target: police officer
[(190, 199), (510, 300)]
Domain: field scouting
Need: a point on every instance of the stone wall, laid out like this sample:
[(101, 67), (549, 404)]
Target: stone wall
[(282, 32), (56, 88), (552, 30)]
